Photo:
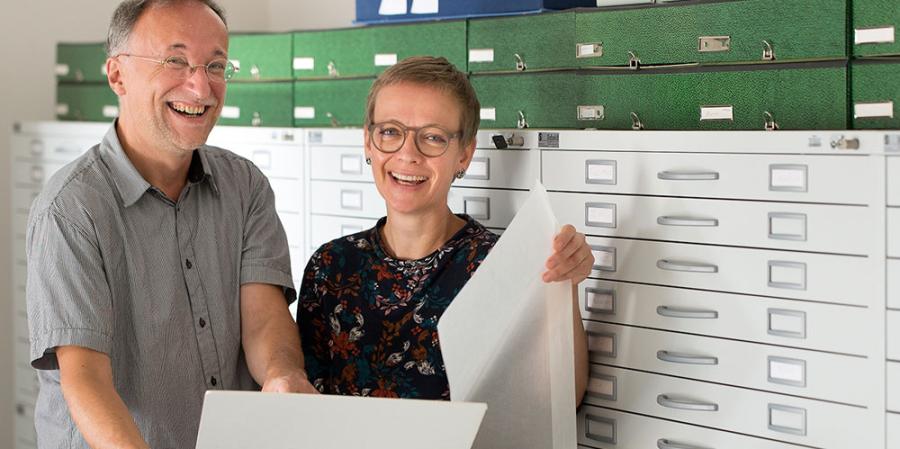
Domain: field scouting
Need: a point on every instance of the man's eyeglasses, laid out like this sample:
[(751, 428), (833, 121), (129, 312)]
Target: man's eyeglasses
[(217, 70), (431, 141)]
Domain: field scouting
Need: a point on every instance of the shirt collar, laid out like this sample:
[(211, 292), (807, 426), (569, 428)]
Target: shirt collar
[(129, 181)]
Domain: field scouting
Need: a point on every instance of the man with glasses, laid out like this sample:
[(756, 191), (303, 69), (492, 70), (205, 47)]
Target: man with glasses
[(157, 266)]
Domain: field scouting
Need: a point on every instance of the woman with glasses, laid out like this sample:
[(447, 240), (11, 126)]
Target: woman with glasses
[(370, 302)]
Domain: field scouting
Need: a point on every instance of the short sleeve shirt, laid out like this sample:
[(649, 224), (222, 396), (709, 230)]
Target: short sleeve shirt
[(117, 267), (368, 322)]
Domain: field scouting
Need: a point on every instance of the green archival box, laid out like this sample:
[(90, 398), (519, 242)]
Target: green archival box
[(335, 103), (262, 57), (92, 102), (258, 104), (333, 53), (875, 24), (718, 32), (536, 100), (522, 43), (875, 94), (393, 43), (81, 62), (801, 96)]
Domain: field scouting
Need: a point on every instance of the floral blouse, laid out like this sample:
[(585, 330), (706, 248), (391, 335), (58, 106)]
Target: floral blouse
[(368, 322)]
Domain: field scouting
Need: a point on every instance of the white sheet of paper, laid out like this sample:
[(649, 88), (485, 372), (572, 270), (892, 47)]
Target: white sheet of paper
[(425, 7), (507, 339), (392, 7), (242, 420)]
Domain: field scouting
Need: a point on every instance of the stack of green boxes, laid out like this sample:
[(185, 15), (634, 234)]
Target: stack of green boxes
[(82, 92), (692, 64), (334, 69), (875, 68), (261, 92), (740, 64)]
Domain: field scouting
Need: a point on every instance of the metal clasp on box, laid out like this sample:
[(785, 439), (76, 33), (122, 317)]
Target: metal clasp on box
[(332, 70), (521, 123), (713, 44), (520, 63)]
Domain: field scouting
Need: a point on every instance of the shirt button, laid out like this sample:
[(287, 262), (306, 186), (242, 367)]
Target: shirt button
[(213, 381), (202, 322), (188, 264)]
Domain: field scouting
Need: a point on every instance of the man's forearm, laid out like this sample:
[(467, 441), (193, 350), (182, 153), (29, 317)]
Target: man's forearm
[(269, 335)]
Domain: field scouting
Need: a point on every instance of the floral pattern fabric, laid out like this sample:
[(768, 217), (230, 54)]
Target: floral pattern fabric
[(368, 322)]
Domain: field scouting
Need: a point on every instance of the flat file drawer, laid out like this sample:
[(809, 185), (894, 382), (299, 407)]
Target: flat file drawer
[(288, 194), (779, 417), (893, 386), (761, 367), (893, 284), (893, 430), (346, 199), (528, 42), (814, 179), (86, 102), (275, 161), (339, 164), (721, 32), (293, 227), (333, 53), (605, 428), (800, 324), (875, 97), (802, 227), (394, 43), (893, 232), (875, 27), (796, 275), (47, 148), (893, 335), (893, 180), (34, 175), (331, 102), (81, 62), (261, 57), (504, 169), (784, 96), (528, 100), (492, 208), (324, 228), (259, 104)]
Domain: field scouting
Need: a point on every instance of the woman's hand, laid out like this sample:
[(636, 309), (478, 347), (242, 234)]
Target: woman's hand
[(571, 259)]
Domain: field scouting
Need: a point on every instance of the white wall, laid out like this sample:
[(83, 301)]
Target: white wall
[(29, 32)]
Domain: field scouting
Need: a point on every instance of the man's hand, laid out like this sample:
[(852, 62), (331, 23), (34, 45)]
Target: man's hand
[(294, 382), (571, 259)]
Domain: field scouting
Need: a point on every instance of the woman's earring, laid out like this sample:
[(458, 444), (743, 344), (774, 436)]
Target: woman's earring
[(368, 161), (460, 174)]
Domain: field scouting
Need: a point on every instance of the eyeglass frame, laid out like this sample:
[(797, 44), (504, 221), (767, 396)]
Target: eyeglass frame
[(415, 129), (190, 67)]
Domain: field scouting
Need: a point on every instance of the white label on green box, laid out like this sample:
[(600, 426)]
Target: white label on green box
[(61, 69), (884, 35), (304, 112), (488, 114), (385, 59), (304, 63), (236, 63), (62, 109), (716, 113), (424, 7), (481, 55), (110, 111), (883, 109), (232, 112)]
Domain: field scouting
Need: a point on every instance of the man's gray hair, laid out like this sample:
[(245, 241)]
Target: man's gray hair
[(128, 13)]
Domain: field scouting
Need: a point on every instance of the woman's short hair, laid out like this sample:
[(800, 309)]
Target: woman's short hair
[(128, 13), (438, 73)]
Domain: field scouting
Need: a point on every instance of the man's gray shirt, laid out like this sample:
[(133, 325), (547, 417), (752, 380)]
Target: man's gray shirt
[(116, 267)]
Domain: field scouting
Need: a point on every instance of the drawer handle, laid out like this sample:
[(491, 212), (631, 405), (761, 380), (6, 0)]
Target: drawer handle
[(686, 359), (670, 175), (691, 267), (663, 443), (685, 404), (687, 221), (677, 312)]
